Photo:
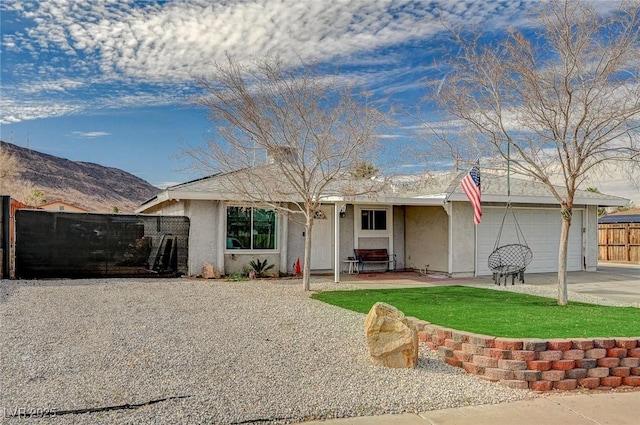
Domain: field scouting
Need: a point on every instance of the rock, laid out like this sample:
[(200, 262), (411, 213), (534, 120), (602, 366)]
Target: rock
[(210, 272), (392, 341)]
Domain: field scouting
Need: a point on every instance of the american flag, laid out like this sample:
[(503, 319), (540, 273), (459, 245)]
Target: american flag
[(471, 186)]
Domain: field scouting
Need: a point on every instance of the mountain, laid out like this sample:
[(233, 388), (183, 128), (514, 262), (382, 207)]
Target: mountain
[(87, 185)]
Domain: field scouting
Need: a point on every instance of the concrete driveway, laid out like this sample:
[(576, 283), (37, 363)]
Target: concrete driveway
[(617, 282)]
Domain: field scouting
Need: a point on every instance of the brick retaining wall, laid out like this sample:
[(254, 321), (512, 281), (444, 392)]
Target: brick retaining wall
[(537, 364)]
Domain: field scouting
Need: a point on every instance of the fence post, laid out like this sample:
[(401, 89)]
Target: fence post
[(627, 243), (5, 236)]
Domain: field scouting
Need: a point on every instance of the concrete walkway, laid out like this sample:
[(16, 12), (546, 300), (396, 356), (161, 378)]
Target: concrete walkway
[(611, 281), (620, 408)]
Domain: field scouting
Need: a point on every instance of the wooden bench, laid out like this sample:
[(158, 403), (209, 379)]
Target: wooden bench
[(366, 256)]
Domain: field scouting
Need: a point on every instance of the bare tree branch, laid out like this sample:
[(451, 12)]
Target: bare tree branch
[(313, 130), (564, 102)]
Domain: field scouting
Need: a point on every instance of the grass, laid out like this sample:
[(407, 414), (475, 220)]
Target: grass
[(496, 313)]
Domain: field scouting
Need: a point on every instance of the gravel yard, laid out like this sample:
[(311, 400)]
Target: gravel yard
[(181, 351)]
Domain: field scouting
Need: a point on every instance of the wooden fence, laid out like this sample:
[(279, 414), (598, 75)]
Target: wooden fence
[(7, 235), (619, 242)]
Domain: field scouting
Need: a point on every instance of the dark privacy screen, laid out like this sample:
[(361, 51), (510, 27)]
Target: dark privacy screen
[(79, 245)]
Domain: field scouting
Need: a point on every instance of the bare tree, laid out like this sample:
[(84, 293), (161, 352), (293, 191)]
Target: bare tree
[(558, 104), (313, 130)]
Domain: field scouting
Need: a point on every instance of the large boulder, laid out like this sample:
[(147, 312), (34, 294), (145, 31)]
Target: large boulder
[(392, 342)]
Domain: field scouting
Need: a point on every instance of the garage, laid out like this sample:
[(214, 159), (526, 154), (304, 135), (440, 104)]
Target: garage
[(541, 229)]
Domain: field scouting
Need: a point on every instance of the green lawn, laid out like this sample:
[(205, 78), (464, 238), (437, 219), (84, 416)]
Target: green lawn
[(496, 313)]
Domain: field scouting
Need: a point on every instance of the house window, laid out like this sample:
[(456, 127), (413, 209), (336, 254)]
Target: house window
[(373, 219), (251, 228)]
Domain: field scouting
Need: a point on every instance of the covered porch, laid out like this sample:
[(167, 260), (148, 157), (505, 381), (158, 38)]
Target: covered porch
[(414, 235)]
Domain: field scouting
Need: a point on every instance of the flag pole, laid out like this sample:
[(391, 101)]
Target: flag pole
[(475, 164)]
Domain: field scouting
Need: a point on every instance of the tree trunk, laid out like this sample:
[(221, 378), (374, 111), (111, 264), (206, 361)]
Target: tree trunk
[(563, 298), (306, 269)]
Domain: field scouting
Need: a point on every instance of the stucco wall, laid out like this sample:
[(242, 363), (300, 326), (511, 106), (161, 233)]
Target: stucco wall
[(168, 208), (202, 234), (463, 239), (373, 242), (346, 234), (427, 238), (235, 262), (207, 240)]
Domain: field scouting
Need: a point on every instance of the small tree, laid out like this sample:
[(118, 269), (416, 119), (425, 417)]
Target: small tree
[(35, 197), (313, 130), (9, 170), (558, 106), (365, 170)]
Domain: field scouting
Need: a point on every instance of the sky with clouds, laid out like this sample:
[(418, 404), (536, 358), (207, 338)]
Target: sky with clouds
[(109, 81)]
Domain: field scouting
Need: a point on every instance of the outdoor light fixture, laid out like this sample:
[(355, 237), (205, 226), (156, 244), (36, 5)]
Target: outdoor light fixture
[(343, 211)]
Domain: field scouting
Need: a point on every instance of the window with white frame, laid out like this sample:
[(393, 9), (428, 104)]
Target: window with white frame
[(251, 228), (373, 219)]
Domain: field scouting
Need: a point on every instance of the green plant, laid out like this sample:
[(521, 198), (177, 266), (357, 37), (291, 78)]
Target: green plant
[(242, 274), (237, 277), (36, 197), (260, 267), (364, 170), (496, 313)]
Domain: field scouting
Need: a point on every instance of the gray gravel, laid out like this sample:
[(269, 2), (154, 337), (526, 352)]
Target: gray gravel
[(236, 352), (552, 292)]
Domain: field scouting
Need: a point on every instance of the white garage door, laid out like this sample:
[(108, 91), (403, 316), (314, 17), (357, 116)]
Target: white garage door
[(541, 229)]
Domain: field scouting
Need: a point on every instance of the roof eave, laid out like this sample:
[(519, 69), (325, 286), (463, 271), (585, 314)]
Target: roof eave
[(609, 202), (156, 200), (427, 200)]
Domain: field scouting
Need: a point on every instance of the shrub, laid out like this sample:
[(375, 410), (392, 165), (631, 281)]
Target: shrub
[(260, 267)]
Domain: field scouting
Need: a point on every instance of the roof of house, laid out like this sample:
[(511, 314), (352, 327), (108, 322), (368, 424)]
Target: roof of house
[(497, 188), (620, 218), (425, 189), (43, 206)]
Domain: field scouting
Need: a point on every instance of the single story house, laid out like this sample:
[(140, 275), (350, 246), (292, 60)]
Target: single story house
[(61, 206), (426, 222)]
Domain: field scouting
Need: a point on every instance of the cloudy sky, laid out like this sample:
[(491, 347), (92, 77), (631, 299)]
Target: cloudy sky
[(108, 81)]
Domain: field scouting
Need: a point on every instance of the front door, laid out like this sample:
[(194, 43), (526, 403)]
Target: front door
[(322, 239)]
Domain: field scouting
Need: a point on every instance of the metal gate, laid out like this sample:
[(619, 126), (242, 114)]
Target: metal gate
[(85, 245)]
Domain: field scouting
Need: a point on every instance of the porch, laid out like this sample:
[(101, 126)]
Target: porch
[(413, 237)]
